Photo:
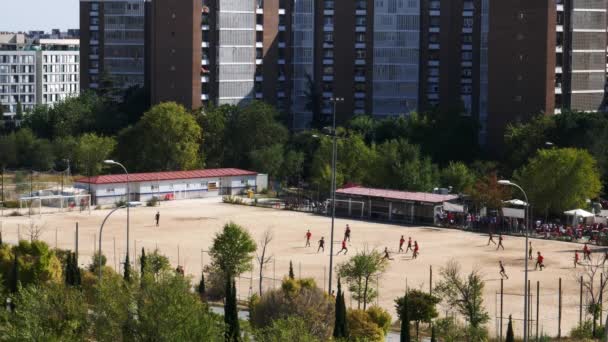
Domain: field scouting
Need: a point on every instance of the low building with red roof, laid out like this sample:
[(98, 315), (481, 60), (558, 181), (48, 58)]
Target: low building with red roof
[(109, 189), (390, 205)]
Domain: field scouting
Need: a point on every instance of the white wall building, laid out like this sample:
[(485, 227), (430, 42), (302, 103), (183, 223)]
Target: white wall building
[(109, 189), (43, 72)]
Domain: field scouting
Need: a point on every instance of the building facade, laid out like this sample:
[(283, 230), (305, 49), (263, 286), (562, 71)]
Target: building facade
[(38, 72), (496, 61)]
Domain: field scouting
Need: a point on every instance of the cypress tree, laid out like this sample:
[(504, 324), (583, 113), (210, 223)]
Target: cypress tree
[(291, 275), (433, 337), (510, 336), (0, 238), (127, 273), (231, 313), (142, 263), (14, 276), (340, 322), (201, 285), (405, 322), (69, 279)]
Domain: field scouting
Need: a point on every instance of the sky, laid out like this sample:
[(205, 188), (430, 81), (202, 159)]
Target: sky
[(26, 15)]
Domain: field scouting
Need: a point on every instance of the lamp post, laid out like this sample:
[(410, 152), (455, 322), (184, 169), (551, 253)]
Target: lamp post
[(101, 232), (526, 219), (335, 100), (112, 162)]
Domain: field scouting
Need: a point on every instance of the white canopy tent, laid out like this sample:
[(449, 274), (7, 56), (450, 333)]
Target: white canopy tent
[(576, 213), (516, 202)]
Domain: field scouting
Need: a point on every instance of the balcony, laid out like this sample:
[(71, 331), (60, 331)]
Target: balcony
[(432, 79), (205, 27), (281, 61), (359, 61), (360, 29), (558, 90), (434, 13), (359, 95), (94, 28), (559, 28), (359, 78), (281, 28), (432, 96), (434, 29), (93, 71), (434, 46), (467, 13), (328, 94), (328, 28), (359, 111), (282, 78), (259, 45), (359, 45), (328, 12), (328, 78), (281, 94), (282, 45), (361, 12), (204, 61), (205, 97), (433, 63), (93, 56), (94, 42), (328, 62), (259, 27), (259, 10), (259, 78), (326, 110), (94, 14), (560, 8), (205, 44), (466, 47), (258, 61), (559, 49), (281, 11), (204, 79)]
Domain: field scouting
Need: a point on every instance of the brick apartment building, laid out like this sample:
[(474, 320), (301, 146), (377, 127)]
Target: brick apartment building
[(501, 61)]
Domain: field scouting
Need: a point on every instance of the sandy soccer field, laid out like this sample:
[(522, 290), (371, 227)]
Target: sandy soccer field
[(187, 228)]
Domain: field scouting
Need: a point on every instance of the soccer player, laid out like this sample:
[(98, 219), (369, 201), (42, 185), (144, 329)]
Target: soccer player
[(530, 251), (500, 238), (586, 253), (401, 242), (157, 217), (321, 244), (386, 255), (576, 258), (503, 274), (416, 248), (409, 245), (308, 236), (539, 261), (347, 233), (343, 248), (491, 239)]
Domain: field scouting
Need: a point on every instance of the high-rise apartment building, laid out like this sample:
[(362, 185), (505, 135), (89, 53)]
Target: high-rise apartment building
[(496, 61), (112, 35), (37, 72)]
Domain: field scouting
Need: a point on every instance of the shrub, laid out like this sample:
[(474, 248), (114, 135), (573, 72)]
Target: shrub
[(380, 316), (286, 329), (152, 202), (583, 331), (362, 327), (10, 204), (120, 203)]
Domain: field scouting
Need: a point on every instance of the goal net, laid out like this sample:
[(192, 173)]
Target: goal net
[(37, 205)]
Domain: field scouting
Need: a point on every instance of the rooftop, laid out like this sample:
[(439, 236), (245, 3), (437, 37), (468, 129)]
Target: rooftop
[(163, 176), (396, 195)]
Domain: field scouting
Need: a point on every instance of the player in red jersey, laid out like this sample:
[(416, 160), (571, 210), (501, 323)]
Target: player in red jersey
[(416, 249), (343, 248), (401, 242), (539, 261), (308, 236), (576, 258), (500, 238), (409, 245)]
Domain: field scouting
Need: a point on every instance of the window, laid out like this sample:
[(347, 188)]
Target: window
[(468, 22), (212, 186), (203, 184), (467, 72), (110, 190), (328, 37), (154, 188), (467, 55)]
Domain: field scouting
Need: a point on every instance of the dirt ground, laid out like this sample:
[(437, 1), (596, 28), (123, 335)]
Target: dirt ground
[(187, 228)]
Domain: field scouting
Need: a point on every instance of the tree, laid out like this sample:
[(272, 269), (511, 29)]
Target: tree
[(488, 193), (291, 328), (231, 318), (127, 269), (19, 111), (464, 294), (291, 275), (14, 279), (261, 257), (215, 122), (510, 335), (403, 311), (36, 263), (560, 179), (364, 125), (458, 176), (201, 286), (359, 272), (142, 263), (300, 298), (340, 325), (361, 327), (231, 250), (8, 150), (379, 316), (587, 276), (268, 160), (433, 337), (91, 151), (167, 138), (522, 140), (157, 264), (293, 167), (421, 306)]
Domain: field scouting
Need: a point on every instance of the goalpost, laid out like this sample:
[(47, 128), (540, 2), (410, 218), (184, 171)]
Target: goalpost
[(55, 203)]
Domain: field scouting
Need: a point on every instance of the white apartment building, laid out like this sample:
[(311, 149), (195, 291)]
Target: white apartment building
[(43, 72)]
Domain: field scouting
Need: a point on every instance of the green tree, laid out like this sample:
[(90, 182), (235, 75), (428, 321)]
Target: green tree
[(433, 336), (340, 327), (522, 140), (19, 111), (42, 154), (8, 151), (51, 312), (201, 286), (421, 305), (379, 316), (400, 165), (157, 264), (362, 328), (364, 125), (143, 262), (560, 179), (291, 275), (127, 269), (268, 160), (91, 151), (403, 311), (488, 193), (167, 138), (359, 271), (293, 167), (458, 176), (510, 335), (463, 294), (215, 122), (231, 316), (36, 262)]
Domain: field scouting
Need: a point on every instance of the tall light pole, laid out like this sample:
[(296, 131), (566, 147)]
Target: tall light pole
[(101, 232), (112, 162), (334, 153), (526, 219)]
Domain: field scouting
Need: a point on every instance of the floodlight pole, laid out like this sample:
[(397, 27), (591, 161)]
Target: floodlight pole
[(101, 232), (128, 198), (333, 190), (526, 221)]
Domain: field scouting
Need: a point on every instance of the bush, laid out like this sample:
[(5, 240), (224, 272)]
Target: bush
[(583, 331), (232, 200), (215, 283), (380, 316), (286, 329), (10, 204), (362, 327), (121, 203), (297, 298), (152, 202)]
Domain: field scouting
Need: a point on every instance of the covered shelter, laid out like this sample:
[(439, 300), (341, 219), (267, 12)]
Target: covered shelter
[(390, 205)]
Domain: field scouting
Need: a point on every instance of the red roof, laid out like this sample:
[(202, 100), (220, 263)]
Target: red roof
[(162, 176), (397, 195)]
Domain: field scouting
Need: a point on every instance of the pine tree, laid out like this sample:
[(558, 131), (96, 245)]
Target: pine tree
[(405, 323), (433, 337), (231, 318), (69, 279), (127, 273), (510, 336), (291, 275), (201, 286), (340, 322), (14, 276), (142, 263)]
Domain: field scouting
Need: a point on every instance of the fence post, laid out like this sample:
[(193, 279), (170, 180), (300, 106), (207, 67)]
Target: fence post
[(324, 274), (580, 303), (76, 239), (529, 310), (300, 270), (501, 304), (537, 306), (431, 279), (601, 295), (559, 310), (115, 264)]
